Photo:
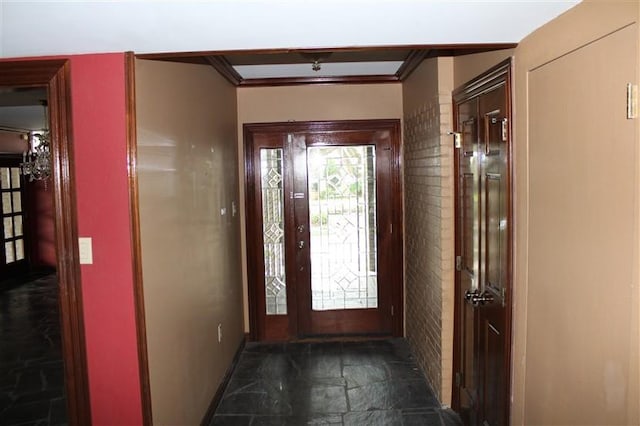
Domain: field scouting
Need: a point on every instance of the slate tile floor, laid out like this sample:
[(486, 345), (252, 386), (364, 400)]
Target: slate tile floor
[(334, 383), (31, 369)]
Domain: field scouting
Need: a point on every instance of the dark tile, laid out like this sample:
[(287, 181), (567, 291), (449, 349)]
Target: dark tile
[(320, 399), (269, 348), (360, 375), (426, 418), (23, 413), (373, 418), (357, 383), (58, 411), (296, 420), (31, 368), (319, 366), (221, 420), (450, 417), (395, 394)]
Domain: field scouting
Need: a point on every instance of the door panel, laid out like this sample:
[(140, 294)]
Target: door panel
[(468, 245), (483, 226), (323, 240)]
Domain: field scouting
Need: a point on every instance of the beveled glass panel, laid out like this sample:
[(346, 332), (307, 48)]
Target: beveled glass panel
[(273, 230), (17, 225), (342, 220), (4, 178), (19, 249), (15, 177), (8, 252), (8, 227), (6, 202), (17, 202)]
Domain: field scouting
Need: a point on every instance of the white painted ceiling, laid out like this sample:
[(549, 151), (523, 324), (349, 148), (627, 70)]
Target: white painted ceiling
[(31, 28)]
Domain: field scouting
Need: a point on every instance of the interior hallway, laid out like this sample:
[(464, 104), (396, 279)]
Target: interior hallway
[(363, 382), (31, 369)]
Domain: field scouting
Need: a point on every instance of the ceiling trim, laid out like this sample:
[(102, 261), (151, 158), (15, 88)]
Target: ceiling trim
[(417, 53), (414, 59), (222, 65), (296, 81)]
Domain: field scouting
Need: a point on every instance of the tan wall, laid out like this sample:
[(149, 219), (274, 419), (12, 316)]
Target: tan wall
[(429, 224), (311, 103), (576, 341), (466, 67), (187, 142)]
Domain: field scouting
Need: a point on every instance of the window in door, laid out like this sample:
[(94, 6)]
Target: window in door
[(12, 190)]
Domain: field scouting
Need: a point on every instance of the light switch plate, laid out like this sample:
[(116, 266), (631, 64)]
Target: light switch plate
[(85, 247)]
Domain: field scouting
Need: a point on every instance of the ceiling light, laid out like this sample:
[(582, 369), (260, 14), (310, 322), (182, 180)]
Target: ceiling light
[(36, 160)]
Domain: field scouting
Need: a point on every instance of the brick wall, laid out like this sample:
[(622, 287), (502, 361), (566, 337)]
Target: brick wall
[(429, 243)]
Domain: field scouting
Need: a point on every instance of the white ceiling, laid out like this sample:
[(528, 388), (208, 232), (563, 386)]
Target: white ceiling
[(31, 28)]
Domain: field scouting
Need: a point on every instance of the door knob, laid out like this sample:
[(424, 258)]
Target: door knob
[(470, 294), (481, 299)]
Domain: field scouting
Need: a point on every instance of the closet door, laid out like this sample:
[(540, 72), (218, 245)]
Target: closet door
[(483, 249)]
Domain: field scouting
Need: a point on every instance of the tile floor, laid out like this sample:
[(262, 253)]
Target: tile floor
[(31, 369), (334, 383)]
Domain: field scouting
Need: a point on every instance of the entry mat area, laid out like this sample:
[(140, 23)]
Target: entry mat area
[(369, 383)]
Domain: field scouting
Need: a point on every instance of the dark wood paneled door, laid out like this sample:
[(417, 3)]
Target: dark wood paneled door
[(324, 228), (483, 249)]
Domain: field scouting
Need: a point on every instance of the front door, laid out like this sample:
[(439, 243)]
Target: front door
[(322, 204), (483, 249)]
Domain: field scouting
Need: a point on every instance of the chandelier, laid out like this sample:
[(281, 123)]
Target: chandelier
[(36, 160)]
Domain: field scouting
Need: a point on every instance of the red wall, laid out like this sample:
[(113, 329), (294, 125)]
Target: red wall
[(99, 138), (41, 224)]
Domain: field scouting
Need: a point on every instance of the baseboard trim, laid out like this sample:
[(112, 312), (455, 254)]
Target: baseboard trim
[(208, 416)]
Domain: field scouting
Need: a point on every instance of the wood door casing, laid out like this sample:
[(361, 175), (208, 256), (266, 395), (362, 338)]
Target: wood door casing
[(482, 335), (296, 323)]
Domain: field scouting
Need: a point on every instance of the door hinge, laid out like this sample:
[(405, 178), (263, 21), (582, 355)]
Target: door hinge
[(632, 101), (391, 310), (503, 294), (458, 379), (457, 139), (458, 263)]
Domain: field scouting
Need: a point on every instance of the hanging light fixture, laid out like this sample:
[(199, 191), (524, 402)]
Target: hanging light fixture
[(36, 160)]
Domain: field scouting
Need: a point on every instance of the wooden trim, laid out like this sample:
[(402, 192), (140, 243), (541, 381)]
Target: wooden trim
[(417, 54), (217, 397), (311, 50), (295, 81), (54, 74), (222, 65), (412, 62), (136, 245)]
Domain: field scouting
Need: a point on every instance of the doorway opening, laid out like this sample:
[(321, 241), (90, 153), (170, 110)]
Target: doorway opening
[(324, 202), (52, 77)]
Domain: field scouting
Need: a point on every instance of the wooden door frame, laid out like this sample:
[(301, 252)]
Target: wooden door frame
[(475, 87), (252, 249), (55, 76)]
